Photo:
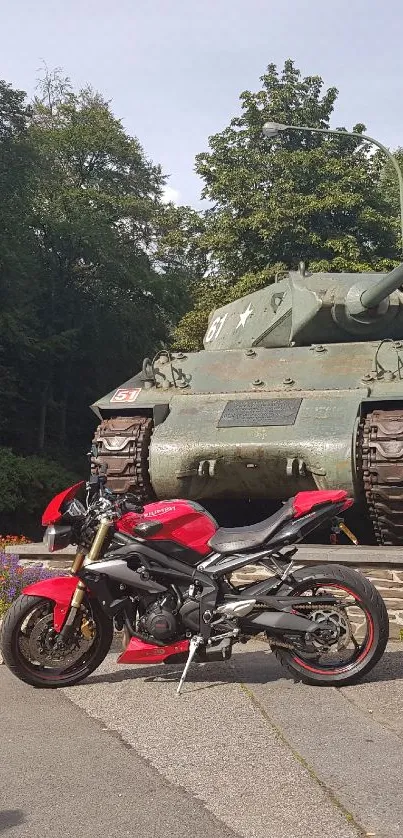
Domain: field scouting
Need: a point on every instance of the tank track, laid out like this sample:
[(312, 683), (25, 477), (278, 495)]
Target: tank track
[(123, 445), (380, 464)]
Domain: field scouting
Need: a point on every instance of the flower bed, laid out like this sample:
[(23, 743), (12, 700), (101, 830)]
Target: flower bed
[(15, 576)]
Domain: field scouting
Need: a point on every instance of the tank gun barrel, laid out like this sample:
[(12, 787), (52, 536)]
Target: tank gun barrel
[(373, 296)]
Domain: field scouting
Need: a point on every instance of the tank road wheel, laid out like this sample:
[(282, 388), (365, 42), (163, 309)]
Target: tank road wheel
[(123, 444), (380, 467)]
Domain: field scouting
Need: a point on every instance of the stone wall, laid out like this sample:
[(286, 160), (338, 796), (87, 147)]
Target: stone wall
[(388, 580), (390, 586), (389, 583)]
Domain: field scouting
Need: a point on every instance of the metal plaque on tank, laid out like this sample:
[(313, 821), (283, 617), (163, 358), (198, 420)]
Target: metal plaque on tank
[(259, 413)]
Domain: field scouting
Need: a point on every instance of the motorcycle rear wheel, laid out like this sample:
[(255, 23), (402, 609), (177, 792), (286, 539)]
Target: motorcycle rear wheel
[(29, 621), (366, 601)]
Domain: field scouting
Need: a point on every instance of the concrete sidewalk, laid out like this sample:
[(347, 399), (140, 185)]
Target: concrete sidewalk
[(265, 755)]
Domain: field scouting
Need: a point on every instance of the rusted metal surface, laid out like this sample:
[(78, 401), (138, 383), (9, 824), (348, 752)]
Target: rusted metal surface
[(123, 445), (381, 450)]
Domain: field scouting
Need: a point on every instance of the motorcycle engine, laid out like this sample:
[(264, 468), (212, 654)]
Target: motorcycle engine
[(159, 619)]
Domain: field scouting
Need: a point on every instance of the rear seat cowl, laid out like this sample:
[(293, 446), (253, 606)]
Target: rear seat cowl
[(304, 502)]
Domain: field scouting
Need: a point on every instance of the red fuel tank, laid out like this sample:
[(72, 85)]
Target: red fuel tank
[(184, 522)]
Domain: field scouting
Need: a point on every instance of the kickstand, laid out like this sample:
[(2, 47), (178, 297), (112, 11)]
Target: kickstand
[(193, 647)]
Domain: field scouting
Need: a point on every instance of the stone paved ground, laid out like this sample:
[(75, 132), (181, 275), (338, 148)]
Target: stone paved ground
[(244, 748)]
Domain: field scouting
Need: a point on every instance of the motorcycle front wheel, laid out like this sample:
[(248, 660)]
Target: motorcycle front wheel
[(31, 647), (360, 620)]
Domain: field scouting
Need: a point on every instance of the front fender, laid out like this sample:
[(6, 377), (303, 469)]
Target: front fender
[(60, 589)]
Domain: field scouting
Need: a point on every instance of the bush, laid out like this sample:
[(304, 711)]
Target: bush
[(28, 483), (14, 577)]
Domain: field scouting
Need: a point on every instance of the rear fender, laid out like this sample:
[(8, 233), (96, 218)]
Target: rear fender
[(60, 589)]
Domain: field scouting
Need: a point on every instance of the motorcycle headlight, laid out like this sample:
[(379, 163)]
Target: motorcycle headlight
[(57, 537)]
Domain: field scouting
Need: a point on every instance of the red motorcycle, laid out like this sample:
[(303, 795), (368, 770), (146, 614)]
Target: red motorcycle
[(163, 573)]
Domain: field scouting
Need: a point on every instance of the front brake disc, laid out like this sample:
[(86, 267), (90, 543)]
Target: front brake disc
[(43, 649)]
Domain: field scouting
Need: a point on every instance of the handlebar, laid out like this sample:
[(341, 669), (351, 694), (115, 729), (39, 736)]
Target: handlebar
[(131, 507), (96, 487)]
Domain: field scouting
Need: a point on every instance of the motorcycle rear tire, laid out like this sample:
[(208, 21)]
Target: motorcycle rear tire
[(371, 602)]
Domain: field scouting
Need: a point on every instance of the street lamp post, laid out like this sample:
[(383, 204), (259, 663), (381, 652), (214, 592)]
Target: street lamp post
[(271, 129)]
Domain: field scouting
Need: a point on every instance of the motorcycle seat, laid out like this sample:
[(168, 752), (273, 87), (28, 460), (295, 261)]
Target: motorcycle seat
[(237, 539)]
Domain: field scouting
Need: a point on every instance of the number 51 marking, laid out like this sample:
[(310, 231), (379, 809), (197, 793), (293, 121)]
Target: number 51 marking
[(125, 395)]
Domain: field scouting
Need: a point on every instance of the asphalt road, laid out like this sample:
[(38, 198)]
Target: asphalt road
[(244, 752), (62, 774)]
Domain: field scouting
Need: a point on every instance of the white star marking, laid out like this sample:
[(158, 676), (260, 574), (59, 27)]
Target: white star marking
[(244, 316)]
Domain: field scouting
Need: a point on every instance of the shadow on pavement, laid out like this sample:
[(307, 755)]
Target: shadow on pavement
[(248, 667), (389, 668), (254, 667), (10, 818)]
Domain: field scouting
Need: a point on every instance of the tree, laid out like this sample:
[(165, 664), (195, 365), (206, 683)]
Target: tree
[(17, 254), (88, 280), (389, 189), (102, 302), (297, 196), (180, 241)]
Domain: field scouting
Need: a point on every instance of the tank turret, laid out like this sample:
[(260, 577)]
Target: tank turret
[(304, 308)]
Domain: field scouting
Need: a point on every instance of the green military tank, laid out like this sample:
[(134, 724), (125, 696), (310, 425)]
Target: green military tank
[(299, 386)]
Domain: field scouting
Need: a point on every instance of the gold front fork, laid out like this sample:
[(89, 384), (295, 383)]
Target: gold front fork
[(78, 563), (93, 555)]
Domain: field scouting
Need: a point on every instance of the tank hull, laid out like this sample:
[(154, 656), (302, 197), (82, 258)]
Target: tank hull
[(263, 424), (299, 386), (193, 456)]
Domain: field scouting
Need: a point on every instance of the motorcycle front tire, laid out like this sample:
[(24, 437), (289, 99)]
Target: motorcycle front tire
[(42, 677)]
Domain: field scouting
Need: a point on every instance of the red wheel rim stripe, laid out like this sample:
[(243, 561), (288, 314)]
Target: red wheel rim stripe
[(342, 669)]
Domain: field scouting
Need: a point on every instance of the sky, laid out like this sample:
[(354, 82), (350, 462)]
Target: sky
[(174, 69)]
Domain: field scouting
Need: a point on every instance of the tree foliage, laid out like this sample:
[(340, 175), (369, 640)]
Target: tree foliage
[(17, 250), (89, 297), (26, 485), (297, 196), (103, 303), (88, 284)]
